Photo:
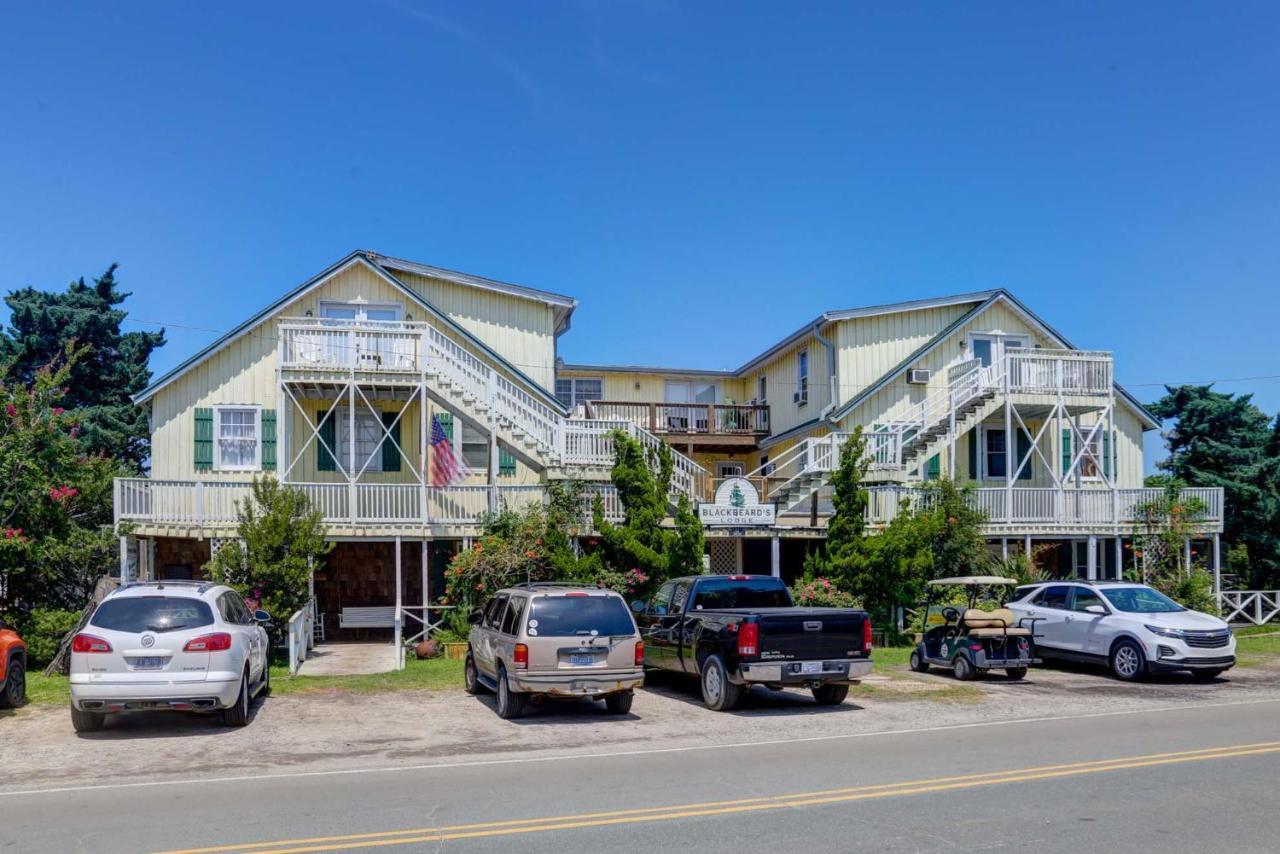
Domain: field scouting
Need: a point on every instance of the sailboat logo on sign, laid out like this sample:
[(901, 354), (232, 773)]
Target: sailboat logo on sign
[(737, 504)]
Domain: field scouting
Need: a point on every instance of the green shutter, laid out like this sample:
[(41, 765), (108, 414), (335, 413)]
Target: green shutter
[(268, 440), (1024, 448), (973, 455), (933, 468), (391, 450), (1066, 449), (1106, 454), (506, 462), (446, 424), (204, 439), (327, 438)]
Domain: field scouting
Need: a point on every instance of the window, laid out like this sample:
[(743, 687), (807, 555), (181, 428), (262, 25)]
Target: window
[(662, 599), (728, 593), (233, 609), (493, 616), (239, 434), (581, 616), (368, 440), (574, 390), (152, 614), (1056, 596), (728, 469), (802, 378), (766, 468), (1141, 600), (1084, 598), (677, 598), (511, 620), (360, 310), (762, 389), (993, 450), (475, 446)]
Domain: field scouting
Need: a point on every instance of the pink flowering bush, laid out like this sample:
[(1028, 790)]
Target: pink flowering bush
[(818, 592)]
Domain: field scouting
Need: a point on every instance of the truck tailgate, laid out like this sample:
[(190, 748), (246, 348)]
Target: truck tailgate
[(808, 634)]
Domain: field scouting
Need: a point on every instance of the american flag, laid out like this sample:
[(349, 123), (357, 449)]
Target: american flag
[(445, 467)]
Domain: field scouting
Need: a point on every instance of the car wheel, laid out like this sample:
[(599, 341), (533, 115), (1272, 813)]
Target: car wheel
[(830, 695), (1206, 675), (1128, 662), (510, 703), (918, 664), (718, 693), (1015, 672), (620, 703), (238, 714), (963, 669), (86, 721), (471, 677), (15, 684)]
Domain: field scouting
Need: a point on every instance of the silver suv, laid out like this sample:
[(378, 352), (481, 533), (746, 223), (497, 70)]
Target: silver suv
[(555, 640)]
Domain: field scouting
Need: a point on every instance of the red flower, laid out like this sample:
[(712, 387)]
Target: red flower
[(58, 410), (11, 410)]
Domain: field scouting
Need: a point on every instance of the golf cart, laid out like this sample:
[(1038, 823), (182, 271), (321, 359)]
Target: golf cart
[(969, 639)]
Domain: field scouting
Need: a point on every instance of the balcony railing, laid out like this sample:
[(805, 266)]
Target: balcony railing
[(706, 419)]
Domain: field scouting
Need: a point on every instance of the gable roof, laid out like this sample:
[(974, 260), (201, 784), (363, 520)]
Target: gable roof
[(993, 297), (357, 257)]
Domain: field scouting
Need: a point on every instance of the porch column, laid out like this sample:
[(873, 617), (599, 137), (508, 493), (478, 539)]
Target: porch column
[(1217, 565), (1004, 547), (1026, 546), (1091, 553), (124, 561), (737, 555), (775, 556), (426, 579), (399, 618), (1186, 554), (1119, 558), (351, 448)]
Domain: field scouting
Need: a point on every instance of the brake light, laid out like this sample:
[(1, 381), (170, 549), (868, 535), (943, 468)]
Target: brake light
[(89, 643), (577, 595), (521, 657), (866, 637), (639, 653), (749, 639), (216, 642)]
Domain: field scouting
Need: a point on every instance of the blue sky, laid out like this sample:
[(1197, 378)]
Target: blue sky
[(723, 171)]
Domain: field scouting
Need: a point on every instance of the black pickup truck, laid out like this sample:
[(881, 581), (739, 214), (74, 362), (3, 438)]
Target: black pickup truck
[(733, 631)]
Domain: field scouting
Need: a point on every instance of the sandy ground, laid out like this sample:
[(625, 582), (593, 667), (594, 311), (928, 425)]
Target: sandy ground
[(38, 748)]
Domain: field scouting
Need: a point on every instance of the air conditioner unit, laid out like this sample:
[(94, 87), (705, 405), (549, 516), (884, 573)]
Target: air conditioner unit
[(799, 397), (919, 376)]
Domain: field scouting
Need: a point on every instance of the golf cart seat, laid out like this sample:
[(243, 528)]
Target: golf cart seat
[(993, 624)]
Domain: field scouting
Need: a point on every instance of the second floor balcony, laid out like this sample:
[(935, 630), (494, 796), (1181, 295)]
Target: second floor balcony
[(703, 426)]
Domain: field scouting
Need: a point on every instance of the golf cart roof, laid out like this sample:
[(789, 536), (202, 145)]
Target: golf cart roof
[(971, 581)]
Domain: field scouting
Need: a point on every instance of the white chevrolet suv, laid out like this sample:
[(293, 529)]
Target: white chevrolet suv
[(1132, 628), (186, 646)]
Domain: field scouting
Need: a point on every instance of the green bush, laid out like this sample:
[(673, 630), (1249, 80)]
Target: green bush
[(44, 631), (810, 592)]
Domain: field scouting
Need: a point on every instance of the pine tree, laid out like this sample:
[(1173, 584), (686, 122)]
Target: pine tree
[(843, 555), (113, 367)]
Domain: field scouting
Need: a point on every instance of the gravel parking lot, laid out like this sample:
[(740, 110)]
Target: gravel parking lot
[(330, 731)]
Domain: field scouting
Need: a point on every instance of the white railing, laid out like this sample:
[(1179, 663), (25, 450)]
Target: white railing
[(1249, 606), (589, 442), (333, 344), (1070, 372), (300, 635)]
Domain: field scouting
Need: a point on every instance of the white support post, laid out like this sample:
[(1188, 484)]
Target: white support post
[(1119, 553), (351, 443), (775, 556), (426, 579), (1186, 555), (1091, 566), (1026, 546), (737, 557), (493, 466), (423, 468), (399, 619), (1009, 445), (1004, 548), (124, 561), (1217, 566)]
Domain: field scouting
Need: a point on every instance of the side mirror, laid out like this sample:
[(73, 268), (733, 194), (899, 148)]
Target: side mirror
[(261, 616), (637, 606), (1095, 609), (475, 616)]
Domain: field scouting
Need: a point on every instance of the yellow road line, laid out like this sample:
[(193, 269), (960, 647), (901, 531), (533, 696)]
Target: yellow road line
[(712, 808)]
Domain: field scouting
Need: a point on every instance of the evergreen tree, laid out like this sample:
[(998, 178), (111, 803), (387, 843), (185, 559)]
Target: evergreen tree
[(1224, 440), (113, 367), (843, 557)]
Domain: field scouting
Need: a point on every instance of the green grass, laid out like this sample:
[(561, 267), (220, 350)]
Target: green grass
[(47, 690), (1257, 645)]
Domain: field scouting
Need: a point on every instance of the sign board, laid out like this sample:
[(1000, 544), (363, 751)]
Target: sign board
[(737, 505)]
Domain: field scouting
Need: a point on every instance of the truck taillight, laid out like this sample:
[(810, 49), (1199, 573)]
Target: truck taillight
[(216, 642), (866, 636), (749, 639), (639, 653), (520, 658), (89, 643)]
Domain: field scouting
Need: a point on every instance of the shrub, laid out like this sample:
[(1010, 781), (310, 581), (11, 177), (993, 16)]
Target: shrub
[(818, 592), (44, 630)]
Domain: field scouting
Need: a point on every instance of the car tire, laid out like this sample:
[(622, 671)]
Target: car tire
[(918, 664), (471, 677), (14, 689), (620, 703), (1127, 661), (963, 669), (830, 695), (510, 703), (238, 713), (1207, 675), (718, 693), (1015, 672), (86, 721)]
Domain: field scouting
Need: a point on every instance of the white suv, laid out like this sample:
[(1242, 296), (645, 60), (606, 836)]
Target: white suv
[(185, 646), (1133, 628)]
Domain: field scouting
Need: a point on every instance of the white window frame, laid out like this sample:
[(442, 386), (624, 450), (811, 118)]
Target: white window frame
[(984, 454), (1098, 463), (998, 343), (762, 389), (574, 400), (343, 441), (739, 469), (478, 437), (218, 409), (802, 376), (362, 308)]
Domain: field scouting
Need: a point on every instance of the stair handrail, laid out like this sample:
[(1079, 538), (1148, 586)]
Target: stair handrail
[(966, 380)]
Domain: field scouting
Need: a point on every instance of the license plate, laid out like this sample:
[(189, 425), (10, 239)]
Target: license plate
[(582, 660), (148, 663), (811, 667)]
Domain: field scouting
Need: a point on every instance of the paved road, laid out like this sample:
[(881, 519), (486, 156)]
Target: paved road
[(1185, 779)]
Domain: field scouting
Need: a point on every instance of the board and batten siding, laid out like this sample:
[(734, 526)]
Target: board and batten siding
[(870, 347), (636, 387), (244, 372), (781, 373)]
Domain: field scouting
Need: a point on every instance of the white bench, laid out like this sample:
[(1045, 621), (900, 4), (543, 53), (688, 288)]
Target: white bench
[(368, 617)]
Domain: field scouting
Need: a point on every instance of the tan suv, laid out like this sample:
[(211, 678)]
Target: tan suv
[(557, 640)]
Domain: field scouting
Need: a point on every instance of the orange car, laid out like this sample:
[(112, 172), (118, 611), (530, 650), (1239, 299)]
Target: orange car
[(13, 668)]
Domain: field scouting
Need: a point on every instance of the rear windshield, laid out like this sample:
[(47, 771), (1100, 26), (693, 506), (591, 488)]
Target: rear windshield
[(152, 614), (729, 593), (572, 616), (1140, 600)]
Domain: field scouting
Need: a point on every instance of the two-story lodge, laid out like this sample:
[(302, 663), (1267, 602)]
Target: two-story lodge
[(335, 388)]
